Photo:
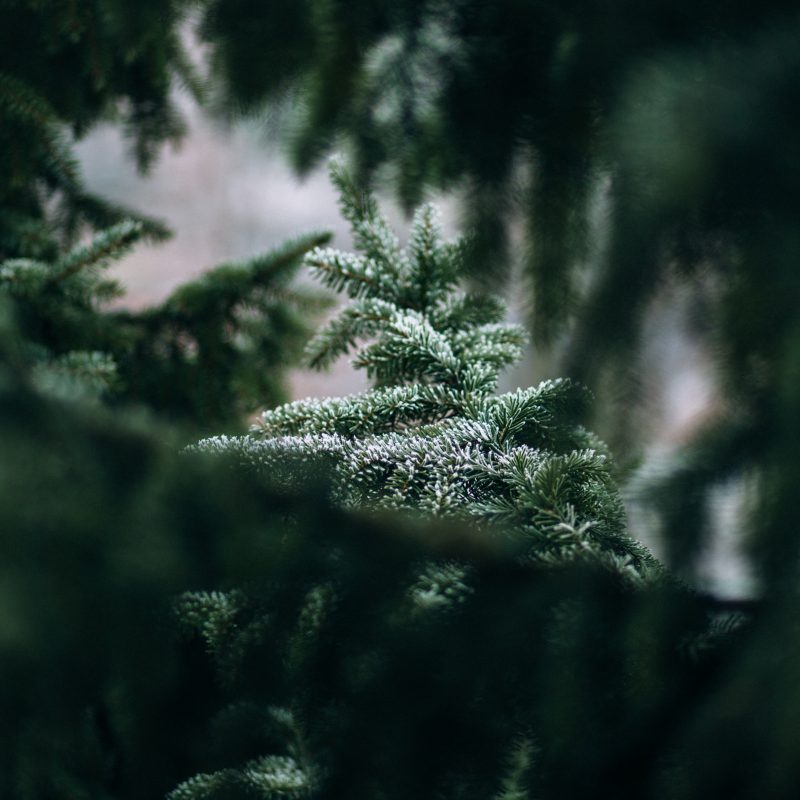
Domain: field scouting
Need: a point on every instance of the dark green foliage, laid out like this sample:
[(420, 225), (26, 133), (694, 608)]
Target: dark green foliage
[(510, 100), (101, 524), (214, 351), (375, 680), (64, 67), (351, 658), (340, 661), (336, 656), (216, 348)]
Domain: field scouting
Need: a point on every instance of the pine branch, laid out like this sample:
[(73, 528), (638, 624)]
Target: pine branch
[(361, 319), (377, 411), (82, 206), (227, 285), (494, 344), (25, 107), (458, 313), (430, 438), (371, 232), (106, 245), (409, 349), (357, 275)]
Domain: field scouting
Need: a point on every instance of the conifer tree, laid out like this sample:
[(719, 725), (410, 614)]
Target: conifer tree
[(431, 436), (430, 439)]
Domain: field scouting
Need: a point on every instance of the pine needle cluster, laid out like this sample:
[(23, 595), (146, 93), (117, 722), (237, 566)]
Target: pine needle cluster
[(431, 436)]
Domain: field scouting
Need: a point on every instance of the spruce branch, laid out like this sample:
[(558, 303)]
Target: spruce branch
[(462, 312), (105, 246), (361, 319), (221, 289), (358, 276), (24, 108), (430, 438), (371, 232)]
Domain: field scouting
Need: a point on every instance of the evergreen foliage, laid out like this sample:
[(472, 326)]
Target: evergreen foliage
[(431, 436), (639, 144), (219, 345), (102, 524), (63, 68), (349, 667), (208, 355), (331, 653), (530, 102)]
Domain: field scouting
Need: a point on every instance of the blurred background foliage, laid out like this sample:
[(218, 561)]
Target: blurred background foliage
[(617, 156), (218, 347)]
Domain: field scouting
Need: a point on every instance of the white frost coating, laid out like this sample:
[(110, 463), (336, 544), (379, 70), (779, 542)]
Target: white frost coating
[(276, 774)]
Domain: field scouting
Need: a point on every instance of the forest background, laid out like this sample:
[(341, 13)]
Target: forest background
[(628, 175)]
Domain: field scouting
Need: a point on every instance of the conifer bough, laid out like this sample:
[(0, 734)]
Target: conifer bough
[(431, 436)]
